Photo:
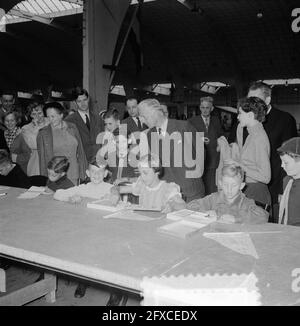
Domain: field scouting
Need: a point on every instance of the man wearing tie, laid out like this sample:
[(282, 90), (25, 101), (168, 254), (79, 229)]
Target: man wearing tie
[(175, 143), (211, 126), (87, 122), (134, 123)]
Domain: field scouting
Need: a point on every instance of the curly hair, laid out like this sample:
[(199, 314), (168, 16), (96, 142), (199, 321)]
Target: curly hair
[(255, 105), (16, 114)]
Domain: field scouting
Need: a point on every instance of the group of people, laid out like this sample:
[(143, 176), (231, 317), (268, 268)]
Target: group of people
[(159, 162)]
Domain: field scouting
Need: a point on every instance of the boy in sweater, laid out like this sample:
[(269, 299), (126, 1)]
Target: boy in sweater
[(95, 189), (230, 205)]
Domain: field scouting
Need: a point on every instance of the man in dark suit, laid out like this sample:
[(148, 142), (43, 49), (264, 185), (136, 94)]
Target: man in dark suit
[(133, 121), (175, 143), (211, 126), (280, 126), (89, 126), (87, 122)]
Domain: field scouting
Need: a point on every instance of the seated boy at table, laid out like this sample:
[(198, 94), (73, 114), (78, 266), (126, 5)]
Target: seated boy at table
[(230, 204), (10, 173), (289, 209), (57, 174), (96, 188)]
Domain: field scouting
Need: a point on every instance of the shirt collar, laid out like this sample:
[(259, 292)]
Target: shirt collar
[(222, 200), (82, 114), (204, 118)]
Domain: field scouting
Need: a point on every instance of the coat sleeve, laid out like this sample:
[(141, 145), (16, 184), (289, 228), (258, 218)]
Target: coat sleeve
[(81, 157), (42, 154), (201, 205), (255, 215), (21, 149)]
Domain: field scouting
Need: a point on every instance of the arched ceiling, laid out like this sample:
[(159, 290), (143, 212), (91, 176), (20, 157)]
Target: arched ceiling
[(225, 41)]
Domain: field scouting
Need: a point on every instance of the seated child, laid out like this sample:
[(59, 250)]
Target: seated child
[(230, 204), (96, 188), (10, 173), (289, 209), (57, 174), (153, 193)]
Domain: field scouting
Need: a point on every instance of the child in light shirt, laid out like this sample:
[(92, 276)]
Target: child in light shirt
[(95, 189), (153, 193)]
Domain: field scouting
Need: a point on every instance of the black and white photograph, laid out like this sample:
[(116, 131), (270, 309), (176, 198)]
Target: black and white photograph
[(149, 155)]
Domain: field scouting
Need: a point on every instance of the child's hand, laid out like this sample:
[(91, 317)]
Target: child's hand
[(167, 209), (114, 199), (212, 214), (227, 218), (47, 191), (75, 199)]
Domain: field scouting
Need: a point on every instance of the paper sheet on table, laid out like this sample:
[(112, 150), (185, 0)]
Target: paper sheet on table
[(130, 215), (3, 188), (237, 241), (32, 192)]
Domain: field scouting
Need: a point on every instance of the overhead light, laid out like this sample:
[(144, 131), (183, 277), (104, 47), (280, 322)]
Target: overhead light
[(259, 15)]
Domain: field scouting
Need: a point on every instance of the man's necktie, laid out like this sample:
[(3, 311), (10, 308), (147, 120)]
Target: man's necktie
[(87, 121), (139, 123), (245, 134), (206, 123)]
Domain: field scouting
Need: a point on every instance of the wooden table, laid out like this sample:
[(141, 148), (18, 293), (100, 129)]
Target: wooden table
[(72, 239)]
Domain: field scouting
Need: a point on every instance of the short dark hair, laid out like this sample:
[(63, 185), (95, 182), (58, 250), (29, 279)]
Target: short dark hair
[(255, 105), (131, 98), (8, 92), (265, 88), (59, 164), (4, 156), (56, 106), (111, 113), (78, 91)]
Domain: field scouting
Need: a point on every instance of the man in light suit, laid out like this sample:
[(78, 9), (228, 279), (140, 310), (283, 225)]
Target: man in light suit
[(184, 162), (211, 126), (87, 122)]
